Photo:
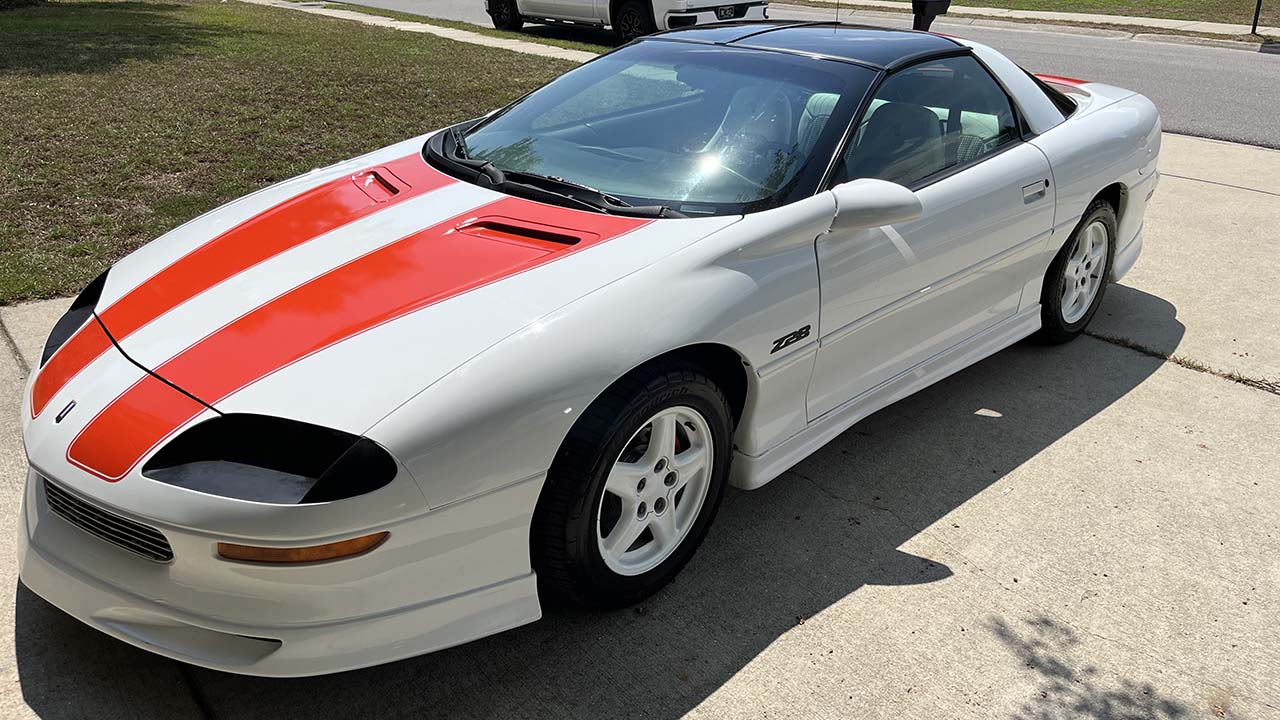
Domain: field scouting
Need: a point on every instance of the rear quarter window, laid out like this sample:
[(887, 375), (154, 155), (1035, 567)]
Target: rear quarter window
[(1065, 105)]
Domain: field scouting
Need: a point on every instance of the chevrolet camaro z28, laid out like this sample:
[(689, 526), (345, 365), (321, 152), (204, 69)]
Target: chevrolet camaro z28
[(393, 405)]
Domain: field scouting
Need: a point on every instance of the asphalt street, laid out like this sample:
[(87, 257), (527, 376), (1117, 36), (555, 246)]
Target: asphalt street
[(1082, 531), (1208, 92)]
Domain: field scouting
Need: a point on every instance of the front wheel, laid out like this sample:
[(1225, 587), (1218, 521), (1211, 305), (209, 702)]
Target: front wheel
[(634, 488), (505, 15), (635, 19), (1077, 277)]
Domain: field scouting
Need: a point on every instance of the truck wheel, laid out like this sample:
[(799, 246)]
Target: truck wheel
[(635, 19), (505, 15)]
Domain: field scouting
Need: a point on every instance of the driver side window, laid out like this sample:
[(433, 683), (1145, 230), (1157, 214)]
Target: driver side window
[(927, 119)]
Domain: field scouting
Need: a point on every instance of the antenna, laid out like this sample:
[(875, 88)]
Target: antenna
[(837, 10)]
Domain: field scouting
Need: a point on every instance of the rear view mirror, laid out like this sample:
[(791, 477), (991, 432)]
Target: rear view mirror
[(868, 202)]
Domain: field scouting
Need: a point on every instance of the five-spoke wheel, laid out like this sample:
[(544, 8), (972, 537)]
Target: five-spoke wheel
[(655, 490), (634, 488), (1078, 276)]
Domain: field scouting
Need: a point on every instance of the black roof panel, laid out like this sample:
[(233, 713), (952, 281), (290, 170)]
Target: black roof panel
[(882, 47)]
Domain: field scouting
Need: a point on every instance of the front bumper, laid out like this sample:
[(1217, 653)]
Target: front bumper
[(708, 15), (444, 578)]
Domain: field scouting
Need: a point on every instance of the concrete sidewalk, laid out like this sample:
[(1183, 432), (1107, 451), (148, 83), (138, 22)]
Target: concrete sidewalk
[(1081, 531), (1048, 16), (466, 36)]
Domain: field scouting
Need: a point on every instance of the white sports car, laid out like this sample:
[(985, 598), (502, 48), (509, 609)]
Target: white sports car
[(394, 405)]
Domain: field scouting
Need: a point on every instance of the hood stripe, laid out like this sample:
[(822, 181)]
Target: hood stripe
[(299, 219), (452, 257)]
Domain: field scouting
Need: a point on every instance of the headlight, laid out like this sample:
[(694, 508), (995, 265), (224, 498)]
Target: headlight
[(271, 460), (75, 316)]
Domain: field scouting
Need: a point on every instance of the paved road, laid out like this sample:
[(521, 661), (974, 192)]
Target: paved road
[(1204, 91)]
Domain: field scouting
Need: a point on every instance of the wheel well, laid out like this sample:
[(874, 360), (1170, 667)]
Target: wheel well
[(1116, 195), (722, 364)]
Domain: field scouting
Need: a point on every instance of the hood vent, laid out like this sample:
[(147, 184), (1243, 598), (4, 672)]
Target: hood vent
[(523, 232), (379, 184)]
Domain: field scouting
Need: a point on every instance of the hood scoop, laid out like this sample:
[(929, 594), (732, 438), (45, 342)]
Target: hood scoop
[(524, 232)]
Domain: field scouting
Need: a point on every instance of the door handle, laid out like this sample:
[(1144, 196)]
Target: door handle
[(1035, 190)]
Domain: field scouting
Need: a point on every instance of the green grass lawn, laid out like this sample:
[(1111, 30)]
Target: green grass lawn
[(121, 120)]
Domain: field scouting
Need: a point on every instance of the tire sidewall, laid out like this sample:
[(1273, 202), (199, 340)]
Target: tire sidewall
[(1052, 320), (504, 14), (644, 22), (582, 530)]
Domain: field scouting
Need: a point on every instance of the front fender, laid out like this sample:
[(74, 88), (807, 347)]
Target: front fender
[(500, 418)]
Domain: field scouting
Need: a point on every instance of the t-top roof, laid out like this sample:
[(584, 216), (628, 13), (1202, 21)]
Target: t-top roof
[(881, 47)]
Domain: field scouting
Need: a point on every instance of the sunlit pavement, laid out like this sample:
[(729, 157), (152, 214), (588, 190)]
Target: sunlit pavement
[(1081, 531)]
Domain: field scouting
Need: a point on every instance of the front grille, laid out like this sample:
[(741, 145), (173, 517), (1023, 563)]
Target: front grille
[(132, 536)]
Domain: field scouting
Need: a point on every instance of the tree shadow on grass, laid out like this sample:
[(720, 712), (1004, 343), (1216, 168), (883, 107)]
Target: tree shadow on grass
[(1070, 690), (89, 37)]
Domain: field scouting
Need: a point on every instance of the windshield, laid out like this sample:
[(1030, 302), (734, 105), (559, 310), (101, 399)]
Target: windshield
[(702, 129)]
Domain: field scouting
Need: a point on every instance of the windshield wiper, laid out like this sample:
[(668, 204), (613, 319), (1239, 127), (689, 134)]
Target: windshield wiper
[(591, 196), (459, 155), (548, 188)]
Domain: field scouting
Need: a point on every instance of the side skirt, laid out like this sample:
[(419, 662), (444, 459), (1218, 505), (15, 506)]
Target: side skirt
[(752, 471)]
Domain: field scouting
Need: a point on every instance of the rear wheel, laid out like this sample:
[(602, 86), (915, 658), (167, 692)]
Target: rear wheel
[(505, 15), (633, 490), (1077, 277), (635, 19)]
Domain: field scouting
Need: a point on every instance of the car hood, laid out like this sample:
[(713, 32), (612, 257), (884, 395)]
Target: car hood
[(336, 296)]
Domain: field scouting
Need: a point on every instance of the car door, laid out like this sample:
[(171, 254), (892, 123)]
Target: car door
[(894, 296), (581, 10)]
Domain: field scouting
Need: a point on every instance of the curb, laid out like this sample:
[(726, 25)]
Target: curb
[(1049, 17), (1260, 47), (983, 22), (1266, 46)]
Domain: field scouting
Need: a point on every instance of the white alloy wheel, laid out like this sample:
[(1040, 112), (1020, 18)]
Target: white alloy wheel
[(1083, 274), (655, 491)]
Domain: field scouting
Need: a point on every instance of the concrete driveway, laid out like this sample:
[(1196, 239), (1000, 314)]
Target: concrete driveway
[(1082, 531)]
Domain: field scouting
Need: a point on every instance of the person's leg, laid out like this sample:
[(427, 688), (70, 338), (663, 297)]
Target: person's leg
[(925, 20), (919, 10), (935, 9)]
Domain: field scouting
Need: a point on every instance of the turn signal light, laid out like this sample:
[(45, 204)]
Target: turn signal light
[(308, 554)]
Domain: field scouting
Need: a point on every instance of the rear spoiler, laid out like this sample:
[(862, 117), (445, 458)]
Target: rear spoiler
[(1061, 80)]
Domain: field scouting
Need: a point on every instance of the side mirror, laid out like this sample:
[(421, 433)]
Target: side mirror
[(868, 203)]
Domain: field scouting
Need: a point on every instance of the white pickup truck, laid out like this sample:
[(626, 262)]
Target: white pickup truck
[(629, 18)]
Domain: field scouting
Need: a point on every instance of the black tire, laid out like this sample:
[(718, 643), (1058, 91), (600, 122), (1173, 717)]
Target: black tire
[(504, 15), (634, 19), (565, 547), (1055, 328)]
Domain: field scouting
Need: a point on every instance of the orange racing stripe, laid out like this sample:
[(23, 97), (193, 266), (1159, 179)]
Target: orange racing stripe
[(447, 259), (287, 225)]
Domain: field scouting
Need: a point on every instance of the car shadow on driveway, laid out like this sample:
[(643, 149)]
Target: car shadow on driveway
[(774, 558)]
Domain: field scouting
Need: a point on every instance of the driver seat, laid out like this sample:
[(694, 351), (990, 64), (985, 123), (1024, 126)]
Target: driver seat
[(757, 110), (902, 143)]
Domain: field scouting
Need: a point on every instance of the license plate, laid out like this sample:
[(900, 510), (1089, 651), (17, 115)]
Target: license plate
[(725, 12)]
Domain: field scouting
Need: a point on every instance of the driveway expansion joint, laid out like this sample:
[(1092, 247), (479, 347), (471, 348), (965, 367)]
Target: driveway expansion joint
[(1263, 384), (12, 346)]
